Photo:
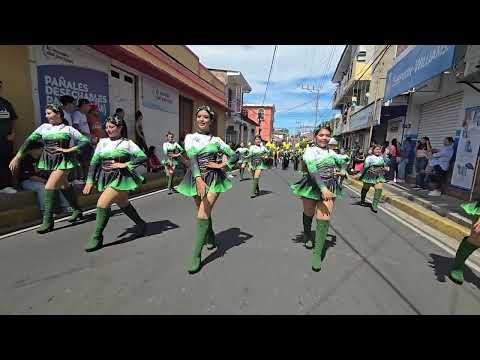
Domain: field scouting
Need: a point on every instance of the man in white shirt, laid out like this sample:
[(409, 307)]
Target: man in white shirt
[(79, 122), (68, 103), (439, 164)]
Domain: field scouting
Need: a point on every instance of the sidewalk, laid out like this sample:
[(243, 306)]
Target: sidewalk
[(441, 212), (20, 210)]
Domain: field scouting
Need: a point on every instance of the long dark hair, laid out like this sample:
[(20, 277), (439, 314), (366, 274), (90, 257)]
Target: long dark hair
[(421, 146), (58, 109)]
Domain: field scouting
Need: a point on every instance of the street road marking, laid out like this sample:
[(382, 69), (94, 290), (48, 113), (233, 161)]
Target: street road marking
[(440, 244)]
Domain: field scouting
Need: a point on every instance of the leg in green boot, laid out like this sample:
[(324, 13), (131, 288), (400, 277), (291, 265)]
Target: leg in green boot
[(170, 180), (376, 199), (241, 174), (320, 236), (364, 193), (71, 197), (254, 187), (464, 251), (132, 213), (211, 243), (307, 231), (96, 241), (47, 224), (202, 230), (257, 191)]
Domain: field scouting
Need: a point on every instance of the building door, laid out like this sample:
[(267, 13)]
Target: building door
[(440, 118), (185, 117), (122, 95)]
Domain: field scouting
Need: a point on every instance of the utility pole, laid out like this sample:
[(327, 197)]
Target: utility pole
[(317, 98)]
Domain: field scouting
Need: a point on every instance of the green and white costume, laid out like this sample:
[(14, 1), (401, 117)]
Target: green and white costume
[(53, 136), (321, 164), (373, 170), (472, 208), (122, 151), (257, 157), (202, 149), (168, 149), (243, 154)]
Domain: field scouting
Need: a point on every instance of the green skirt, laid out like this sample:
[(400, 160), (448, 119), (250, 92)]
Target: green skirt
[(369, 178), (216, 180), (118, 179), (59, 161), (471, 208), (308, 188)]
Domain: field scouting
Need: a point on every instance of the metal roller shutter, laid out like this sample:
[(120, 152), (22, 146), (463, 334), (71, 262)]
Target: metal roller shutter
[(440, 118)]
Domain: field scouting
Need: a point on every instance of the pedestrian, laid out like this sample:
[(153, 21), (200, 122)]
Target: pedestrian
[(139, 134), (318, 189), (359, 161), (172, 152), (258, 154), (424, 151), (407, 155), (68, 103), (242, 152), (57, 157), (469, 243), (80, 122), (8, 119), (32, 179), (373, 174), (112, 172), (120, 113), (95, 124), (438, 166), (205, 179), (392, 161)]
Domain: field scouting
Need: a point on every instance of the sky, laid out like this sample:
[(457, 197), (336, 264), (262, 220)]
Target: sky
[(294, 65)]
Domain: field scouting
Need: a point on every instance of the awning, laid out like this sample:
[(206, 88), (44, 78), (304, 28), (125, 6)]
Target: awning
[(422, 63)]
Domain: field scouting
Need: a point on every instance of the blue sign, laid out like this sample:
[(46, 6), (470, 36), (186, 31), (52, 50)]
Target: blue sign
[(55, 81), (422, 63)]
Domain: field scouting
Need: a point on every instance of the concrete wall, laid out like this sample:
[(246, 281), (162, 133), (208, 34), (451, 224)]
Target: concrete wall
[(17, 87)]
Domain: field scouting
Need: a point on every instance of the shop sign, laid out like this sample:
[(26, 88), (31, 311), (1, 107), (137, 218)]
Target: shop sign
[(422, 63), (159, 97), (55, 81), (467, 150)]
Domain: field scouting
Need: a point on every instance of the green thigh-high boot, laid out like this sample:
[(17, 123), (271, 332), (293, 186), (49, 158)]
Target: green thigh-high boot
[(307, 231), (132, 213), (320, 236), (47, 224), (170, 180), (364, 193), (202, 232), (211, 243), (254, 187), (71, 197), (96, 240), (464, 251), (377, 195)]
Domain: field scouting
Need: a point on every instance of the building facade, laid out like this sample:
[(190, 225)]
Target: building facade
[(264, 117), (238, 127)]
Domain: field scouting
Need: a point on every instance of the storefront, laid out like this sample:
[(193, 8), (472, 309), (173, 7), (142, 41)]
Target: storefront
[(360, 124)]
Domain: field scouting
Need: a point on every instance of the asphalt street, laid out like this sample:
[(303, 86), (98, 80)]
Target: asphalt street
[(373, 263)]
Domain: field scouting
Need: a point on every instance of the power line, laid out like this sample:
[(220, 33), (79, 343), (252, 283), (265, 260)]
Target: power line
[(269, 74)]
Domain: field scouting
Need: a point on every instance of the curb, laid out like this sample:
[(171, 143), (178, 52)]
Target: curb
[(21, 218), (429, 217)]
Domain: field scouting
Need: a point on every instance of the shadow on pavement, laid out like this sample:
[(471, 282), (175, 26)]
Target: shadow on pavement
[(441, 266), (265, 192), (225, 241), (86, 219), (153, 228), (330, 242)]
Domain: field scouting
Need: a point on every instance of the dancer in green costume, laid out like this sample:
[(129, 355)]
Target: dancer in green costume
[(372, 174), (242, 152), (172, 151), (205, 179), (258, 155), (57, 157), (112, 171), (469, 243), (318, 190)]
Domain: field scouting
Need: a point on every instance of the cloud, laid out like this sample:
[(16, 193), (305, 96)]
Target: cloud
[(294, 65)]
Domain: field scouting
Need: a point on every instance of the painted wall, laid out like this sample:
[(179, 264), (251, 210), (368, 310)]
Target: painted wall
[(17, 87)]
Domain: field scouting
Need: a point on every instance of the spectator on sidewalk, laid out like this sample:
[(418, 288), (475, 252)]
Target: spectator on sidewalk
[(139, 134), (80, 122), (30, 178), (392, 161), (119, 112), (424, 151), (358, 162), (68, 103), (8, 117), (407, 155), (95, 125), (438, 166)]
